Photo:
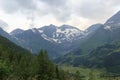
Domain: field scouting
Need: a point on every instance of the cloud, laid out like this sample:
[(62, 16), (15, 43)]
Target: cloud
[(62, 10), (58, 8), (3, 24), (13, 6), (57, 3), (95, 9)]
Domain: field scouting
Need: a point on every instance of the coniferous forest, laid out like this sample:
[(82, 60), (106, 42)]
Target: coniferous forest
[(17, 63)]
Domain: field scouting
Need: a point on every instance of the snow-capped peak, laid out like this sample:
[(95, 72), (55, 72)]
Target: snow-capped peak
[(59, 34)]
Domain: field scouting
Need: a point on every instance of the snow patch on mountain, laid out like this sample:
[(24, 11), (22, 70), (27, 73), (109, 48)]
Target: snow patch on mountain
[(107, 27), (62, 34), (40, 31), (33, 30)]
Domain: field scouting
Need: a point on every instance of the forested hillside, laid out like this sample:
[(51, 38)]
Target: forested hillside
[(107, 56), (17, 63)]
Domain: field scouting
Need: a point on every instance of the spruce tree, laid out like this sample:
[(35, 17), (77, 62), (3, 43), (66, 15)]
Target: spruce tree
[(45, 67)]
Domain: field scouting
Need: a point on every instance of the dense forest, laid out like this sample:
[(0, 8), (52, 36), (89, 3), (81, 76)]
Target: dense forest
[(17, 63)]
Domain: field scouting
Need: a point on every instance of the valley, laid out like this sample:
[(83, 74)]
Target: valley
[(61, 52)]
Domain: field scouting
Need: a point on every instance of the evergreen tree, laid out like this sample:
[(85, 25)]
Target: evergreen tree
[(4, 70), (46, 70)]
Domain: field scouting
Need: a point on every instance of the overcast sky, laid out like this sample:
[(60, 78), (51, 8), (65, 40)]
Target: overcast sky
[(80, 13)]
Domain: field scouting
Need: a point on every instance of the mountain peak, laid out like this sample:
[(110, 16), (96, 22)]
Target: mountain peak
[(114, 20), (63, 27), (94, 27), (52, 25), (67, 26), (16, 31)]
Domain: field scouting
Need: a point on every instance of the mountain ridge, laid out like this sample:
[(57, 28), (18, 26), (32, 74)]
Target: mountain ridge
[(101, 49)]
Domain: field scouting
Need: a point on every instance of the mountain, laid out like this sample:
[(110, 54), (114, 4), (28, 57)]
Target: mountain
[(105, 33), (16, 31), (114, 20), (64, 33), (101, 35), (94, 27), (68, 39), (6, 35), (56, 40), (107, 56), (18, 63), (8, 47)]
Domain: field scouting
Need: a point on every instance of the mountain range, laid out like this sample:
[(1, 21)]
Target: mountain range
[(100, 49), (56, 40), (67, 44)]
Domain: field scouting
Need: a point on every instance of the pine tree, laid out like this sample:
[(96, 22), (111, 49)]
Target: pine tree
[(46, 70), (4, 70)]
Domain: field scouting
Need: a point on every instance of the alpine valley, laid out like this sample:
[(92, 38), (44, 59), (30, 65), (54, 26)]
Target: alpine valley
[(100, 49), (95, 46)]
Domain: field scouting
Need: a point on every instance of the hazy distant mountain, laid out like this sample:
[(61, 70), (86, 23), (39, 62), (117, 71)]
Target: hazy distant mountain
[(16, 31), (64, 33), (57, 40), (6, 35), (64, 39)]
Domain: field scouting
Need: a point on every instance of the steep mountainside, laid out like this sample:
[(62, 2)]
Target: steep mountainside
[(101, 36), (106, 56), (16, 31), (6, 35), (8, 47), (56, 40), (114, 20), (104, 34), (52, 33)]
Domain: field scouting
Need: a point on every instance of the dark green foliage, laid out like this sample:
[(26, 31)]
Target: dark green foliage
[(46, 69), (107, 56), (4, 70), (17, 63)]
